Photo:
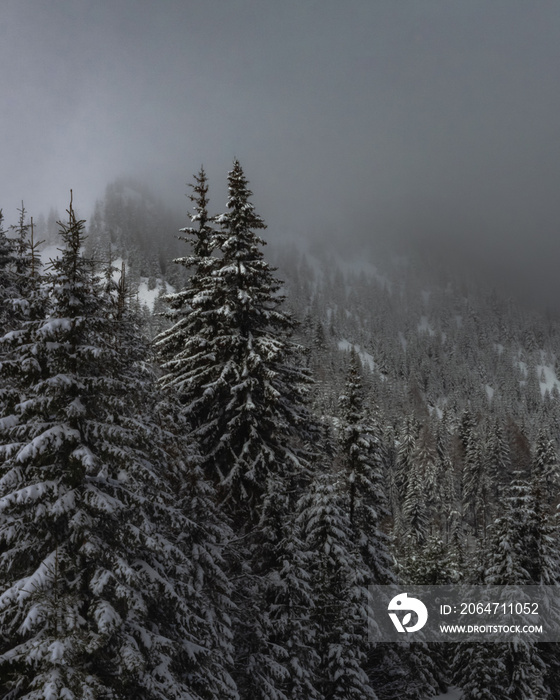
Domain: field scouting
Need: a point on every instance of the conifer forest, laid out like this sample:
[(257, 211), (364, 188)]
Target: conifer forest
[(198, 487), (279, 350)]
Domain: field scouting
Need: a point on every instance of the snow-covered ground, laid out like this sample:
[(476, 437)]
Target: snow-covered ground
[(424, 326), (547, 373), (50, 252), (364, 356), (147, 297)]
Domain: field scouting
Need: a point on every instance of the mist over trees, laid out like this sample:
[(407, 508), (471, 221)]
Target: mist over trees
[(206, 460)]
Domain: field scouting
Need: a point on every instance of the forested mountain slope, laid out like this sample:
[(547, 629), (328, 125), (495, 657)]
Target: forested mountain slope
[(283, 428)]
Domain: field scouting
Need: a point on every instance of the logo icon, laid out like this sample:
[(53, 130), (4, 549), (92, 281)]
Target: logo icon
[(402, 602)]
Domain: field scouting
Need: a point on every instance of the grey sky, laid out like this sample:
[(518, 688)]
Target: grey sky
[(438, 119)]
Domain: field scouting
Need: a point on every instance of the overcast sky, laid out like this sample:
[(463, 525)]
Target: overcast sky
[(439, 119)]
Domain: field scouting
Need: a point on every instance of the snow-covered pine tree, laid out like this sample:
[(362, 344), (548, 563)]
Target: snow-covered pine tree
[(275, 631), (479, 671), (21, 242), (238, 374), (510, 550), (340, 593), (519, 539), (7, 278), (183, 349), (407, 441), (240, 384), (261, 380), (253, 427), (446, 483), (8, 291), (13, 260), (543, 530), (203, 535), (361, 471), (94, 598), (545, 467), (197, 524), (415, 512), (21, 295), (517, 668), (360, 494), (542, 526)]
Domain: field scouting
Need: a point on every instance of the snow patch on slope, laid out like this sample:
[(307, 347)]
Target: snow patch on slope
[(366, 359), (117, 269), (424, 326), (147, 297), (550, 379), (50, 252)]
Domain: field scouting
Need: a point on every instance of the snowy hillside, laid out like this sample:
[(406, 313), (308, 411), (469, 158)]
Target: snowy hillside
[(415, 414)]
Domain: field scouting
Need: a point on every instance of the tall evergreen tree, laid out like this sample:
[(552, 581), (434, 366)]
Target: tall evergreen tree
[(183, 350), (546, 469), (517, 668), (276, 640), (21, 295), (340, 593), (416, 517), (361, 467), (238, 374), (95, 596), (241, 386), (407, 441), (8, 279)]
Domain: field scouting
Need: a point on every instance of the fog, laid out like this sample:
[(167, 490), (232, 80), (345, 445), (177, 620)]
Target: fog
[(431, 123)]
